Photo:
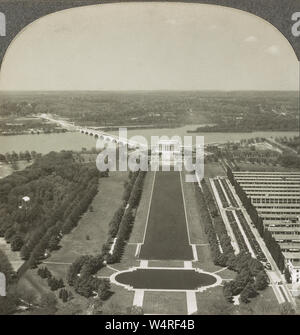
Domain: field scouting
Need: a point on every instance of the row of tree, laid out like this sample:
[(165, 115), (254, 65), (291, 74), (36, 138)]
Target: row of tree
[(53, 282), (134, 188), (13, 156)]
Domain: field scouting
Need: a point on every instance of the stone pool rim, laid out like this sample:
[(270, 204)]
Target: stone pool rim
[(218, 281)]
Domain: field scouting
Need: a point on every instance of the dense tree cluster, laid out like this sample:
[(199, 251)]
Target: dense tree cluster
[(81, 274), (104, 290), (53, 282), (65, 295), (287, 275), (235, 111), (289, 160), (13, 156), (60, 191), (290, 142), (271, 243), (274, 249), (251, 277), (44, 272)]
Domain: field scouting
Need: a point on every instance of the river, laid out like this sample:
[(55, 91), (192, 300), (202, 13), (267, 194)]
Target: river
[(44, 143)]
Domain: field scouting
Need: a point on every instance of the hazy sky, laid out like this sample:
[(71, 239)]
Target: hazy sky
[(150, 47)]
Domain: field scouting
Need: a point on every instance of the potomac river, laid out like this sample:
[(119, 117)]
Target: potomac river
[(44, 143)]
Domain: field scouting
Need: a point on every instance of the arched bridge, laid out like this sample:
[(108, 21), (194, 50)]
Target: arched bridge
[(106, 137)]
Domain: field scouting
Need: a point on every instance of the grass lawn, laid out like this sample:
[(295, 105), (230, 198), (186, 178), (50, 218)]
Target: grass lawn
[(6, 169), (14, 256), (265, 304), (196, 230), (119, 301), (32, 281), (166, 236), (213, 169), (204, 259), (165, 303), (168, 263), (138, 230), (212, 302)]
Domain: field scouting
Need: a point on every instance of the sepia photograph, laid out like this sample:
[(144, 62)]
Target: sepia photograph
[(149, 162)]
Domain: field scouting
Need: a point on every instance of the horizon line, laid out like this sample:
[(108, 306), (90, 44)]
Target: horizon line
[(151, 90)]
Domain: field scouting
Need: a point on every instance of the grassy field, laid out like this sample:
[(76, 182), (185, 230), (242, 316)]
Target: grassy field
[(5, 170), (212, 302), (213, 169), (165, 303), (138, 230), (166, 236), (265, 303), (196, 230), (13, 256), (119, 302)]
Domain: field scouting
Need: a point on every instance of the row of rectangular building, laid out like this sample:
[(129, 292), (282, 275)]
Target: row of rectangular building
[(276, 197)]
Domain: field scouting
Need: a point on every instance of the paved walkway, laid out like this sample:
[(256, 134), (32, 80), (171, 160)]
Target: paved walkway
[(138, 298), (188, 265), (191, 302), (144, 264), (56, 263)]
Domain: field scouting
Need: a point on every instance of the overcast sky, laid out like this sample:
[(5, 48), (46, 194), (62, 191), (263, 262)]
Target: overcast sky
[(150, 46)]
